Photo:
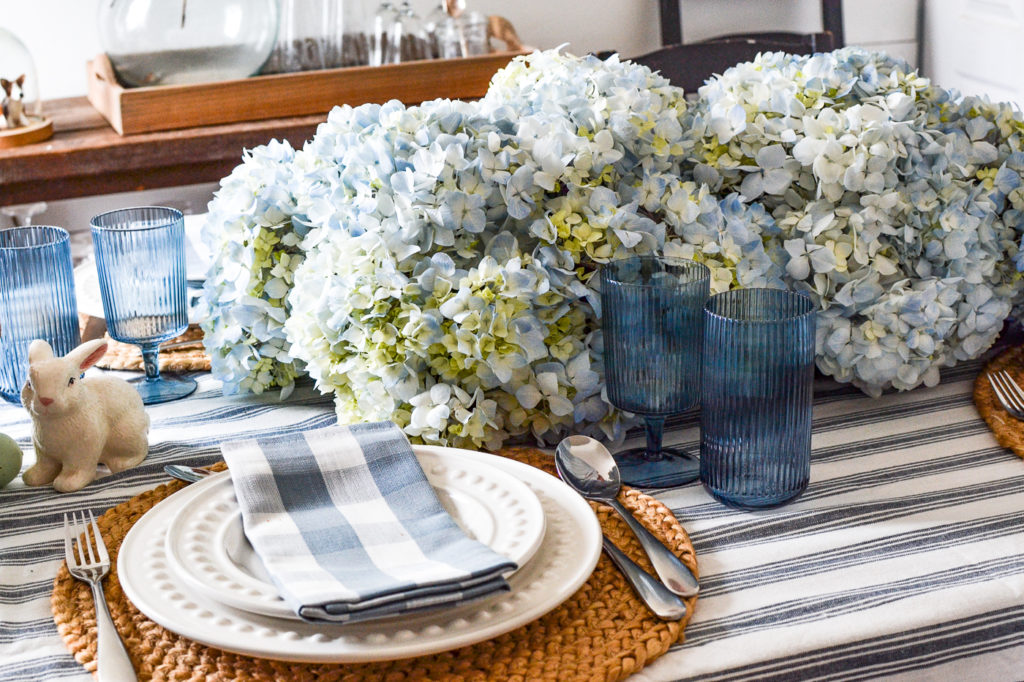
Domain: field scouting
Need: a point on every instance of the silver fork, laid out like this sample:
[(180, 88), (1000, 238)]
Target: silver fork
[(90, 564), (1009, 394)]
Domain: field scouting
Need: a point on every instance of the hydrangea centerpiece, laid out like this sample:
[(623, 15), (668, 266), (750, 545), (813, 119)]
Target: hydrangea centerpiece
[(434, 264)]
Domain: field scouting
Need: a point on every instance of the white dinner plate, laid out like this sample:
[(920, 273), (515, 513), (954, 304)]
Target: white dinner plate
[(563, 562), (207, 548)]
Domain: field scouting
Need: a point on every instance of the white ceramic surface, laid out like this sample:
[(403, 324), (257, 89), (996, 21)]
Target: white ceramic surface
[(562, 563), (207, 549)]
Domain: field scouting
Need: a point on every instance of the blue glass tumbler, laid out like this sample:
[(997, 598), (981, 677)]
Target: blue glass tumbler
[(37, 299), (140, 260), (651, 317), (756, 396)]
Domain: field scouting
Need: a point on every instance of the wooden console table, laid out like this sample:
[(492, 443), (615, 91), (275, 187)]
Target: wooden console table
[(86, 156)]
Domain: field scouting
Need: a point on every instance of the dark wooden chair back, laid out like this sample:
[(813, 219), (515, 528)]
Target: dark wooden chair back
[(689, 65)]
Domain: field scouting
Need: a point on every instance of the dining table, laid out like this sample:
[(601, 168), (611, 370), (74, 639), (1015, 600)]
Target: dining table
[(902, 560)]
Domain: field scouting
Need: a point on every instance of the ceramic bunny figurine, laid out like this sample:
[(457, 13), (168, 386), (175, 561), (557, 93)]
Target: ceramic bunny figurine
[(80, 422)]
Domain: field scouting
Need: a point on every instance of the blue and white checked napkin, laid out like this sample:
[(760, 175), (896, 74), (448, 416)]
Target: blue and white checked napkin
[(349, 529)]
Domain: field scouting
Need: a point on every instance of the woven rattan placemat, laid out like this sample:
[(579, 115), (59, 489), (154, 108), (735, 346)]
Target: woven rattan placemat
[(602, 632), (1008, 431), (189, 358)]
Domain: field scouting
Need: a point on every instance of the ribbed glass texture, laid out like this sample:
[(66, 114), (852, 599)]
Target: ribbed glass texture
[(651, 319), (756, 396), (140, 259), (37, 299)]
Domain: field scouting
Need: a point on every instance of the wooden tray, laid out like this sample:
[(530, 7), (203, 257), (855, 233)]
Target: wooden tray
[(168, 107)]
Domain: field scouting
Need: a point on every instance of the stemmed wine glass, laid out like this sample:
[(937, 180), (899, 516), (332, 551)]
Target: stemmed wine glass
[(652, 319), (140, 260)]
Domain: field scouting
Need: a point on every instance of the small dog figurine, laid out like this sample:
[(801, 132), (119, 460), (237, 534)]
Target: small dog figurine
[(80, 422), (13, 103)]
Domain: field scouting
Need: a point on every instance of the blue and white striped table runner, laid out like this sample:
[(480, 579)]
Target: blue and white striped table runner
[(903, 560)]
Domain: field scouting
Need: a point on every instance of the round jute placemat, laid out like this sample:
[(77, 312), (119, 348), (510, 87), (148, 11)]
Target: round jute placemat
[(190, 358), (183, 353), (1008, 431), (602, 632)]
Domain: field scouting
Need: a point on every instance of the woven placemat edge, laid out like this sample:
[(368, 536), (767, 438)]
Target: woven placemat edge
[(1008, 432)]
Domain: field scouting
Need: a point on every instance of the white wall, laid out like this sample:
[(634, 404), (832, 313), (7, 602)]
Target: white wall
[(62, 36), (975, 46)]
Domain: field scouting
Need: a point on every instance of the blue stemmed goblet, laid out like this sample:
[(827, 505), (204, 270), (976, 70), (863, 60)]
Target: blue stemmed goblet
[(652, 319), (140, 259)]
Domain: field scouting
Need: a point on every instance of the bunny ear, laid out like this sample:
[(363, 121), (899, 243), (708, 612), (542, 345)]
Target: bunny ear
[(39, 350), (88, 354)]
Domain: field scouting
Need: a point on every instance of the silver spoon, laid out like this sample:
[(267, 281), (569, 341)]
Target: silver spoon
[(186, 473), (659, 600), (589, 469)]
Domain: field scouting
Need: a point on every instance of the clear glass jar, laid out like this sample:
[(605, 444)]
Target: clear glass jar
[(160, 42), (434, 24), (309, 37), (398, 34), (410, 38), (357, 16), (474, 33), (464, 35), (382, 37)]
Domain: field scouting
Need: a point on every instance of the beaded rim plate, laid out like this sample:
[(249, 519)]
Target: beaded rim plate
[(207, 549), (563, 562)]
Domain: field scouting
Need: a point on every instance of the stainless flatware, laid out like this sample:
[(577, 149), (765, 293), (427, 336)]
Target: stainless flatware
[(1009, 394), (187, 473), (90, 563), (589, 469), (659, 600)]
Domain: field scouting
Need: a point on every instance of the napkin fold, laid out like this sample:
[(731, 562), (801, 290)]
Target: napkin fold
[(349, 528)]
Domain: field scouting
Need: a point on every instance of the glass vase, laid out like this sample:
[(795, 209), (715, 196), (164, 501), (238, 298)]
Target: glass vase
[(163, 42)]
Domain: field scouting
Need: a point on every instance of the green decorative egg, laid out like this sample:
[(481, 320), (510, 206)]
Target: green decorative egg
[(10, 459)]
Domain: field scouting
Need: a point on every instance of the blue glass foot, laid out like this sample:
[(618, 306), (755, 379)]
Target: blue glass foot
[(163, 388), (669, 468)]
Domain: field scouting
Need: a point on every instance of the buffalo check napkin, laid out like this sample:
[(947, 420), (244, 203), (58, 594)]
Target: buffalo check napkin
[(349, 529)]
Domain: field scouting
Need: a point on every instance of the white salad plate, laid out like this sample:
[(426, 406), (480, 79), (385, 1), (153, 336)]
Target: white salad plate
[(206, 545), (560, 565)]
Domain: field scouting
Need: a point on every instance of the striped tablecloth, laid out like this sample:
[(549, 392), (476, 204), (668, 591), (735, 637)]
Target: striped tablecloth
[(903, 560)]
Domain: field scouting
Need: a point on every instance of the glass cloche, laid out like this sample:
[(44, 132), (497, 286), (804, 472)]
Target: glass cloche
[(161, 42), (21, 118)]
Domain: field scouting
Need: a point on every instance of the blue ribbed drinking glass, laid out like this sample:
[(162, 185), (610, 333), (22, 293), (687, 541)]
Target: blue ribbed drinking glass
[(756, 396), (140, 260), (37, 299), (651, 317)]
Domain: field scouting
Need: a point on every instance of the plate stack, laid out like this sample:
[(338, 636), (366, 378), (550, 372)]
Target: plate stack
[(187, 565)]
